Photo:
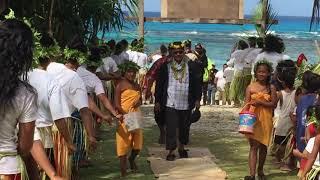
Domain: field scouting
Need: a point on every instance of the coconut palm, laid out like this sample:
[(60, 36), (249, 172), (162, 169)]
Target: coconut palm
[(65, 18)]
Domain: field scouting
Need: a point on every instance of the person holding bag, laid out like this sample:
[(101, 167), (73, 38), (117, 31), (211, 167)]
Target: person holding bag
[(262, 98), (128, 101)]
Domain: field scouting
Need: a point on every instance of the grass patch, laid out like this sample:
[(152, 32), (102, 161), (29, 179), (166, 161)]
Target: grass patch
[(106, 163), (231, 154)]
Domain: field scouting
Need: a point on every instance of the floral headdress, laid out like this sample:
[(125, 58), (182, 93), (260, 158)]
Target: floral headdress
[(263, 62), (128, 65)]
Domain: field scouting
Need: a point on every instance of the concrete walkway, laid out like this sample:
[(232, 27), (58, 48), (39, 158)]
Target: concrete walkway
[(199, 165)]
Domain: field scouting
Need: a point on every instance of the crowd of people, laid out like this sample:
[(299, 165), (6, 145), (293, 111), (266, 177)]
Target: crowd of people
[(52, 112)]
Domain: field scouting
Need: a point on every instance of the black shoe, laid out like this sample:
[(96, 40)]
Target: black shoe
[(171, 157), (183, 153), (249, 178)]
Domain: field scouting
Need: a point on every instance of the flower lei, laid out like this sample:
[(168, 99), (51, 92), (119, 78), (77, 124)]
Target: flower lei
[(178, 71)]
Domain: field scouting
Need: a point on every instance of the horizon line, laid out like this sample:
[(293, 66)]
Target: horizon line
[(247, 14)]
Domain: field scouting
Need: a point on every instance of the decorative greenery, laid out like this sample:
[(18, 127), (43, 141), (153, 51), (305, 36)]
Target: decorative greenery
[(315, 68), (263, 62), (10, 15), (269, 20), (73, 53), (179, 71), (312, 119), (139, 47), (128, 65)]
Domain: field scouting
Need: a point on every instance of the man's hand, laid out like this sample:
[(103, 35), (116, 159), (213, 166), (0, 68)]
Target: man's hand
[(92, 143), (56, 177), (72, 148), (119, 116), (157, 107), (197, 104), (108, 119)]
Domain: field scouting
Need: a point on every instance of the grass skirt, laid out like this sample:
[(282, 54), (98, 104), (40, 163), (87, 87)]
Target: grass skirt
[(80, 140), (239, 85), (62, 157)]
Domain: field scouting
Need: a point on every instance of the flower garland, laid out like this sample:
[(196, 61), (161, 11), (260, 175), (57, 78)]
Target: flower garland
[(179, 69)]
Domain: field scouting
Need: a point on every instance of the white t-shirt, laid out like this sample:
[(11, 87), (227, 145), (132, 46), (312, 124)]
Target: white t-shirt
[(92, 82), (109, 66), (252, 55), (72, 86), (309, 149), (273, 57), (51, 99), (284, 121), (221, 81), (132, 55), (235, 60), (120, 59), (137, 57), (142, 59), (244, 54), (228, 74), (23, 110)]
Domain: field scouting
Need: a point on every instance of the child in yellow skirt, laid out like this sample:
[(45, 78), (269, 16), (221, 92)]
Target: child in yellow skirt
[(262, 97), (128, 99)]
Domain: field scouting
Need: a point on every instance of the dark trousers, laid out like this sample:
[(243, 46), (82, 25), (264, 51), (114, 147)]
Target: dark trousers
[(205, 92), (159, 117), (177, 119)]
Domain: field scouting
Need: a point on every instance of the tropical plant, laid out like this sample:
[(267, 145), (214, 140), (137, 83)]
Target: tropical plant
[(266, 16), (65, 18)]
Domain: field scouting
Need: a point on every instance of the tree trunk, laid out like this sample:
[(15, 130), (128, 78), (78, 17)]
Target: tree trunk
[(50, 18), (4, 4), (264, 17), (141, 19)]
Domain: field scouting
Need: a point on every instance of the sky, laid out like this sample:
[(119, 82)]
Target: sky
[(283, 7)]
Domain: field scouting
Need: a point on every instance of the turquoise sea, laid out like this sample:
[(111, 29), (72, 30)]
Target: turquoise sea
[(219, 39)]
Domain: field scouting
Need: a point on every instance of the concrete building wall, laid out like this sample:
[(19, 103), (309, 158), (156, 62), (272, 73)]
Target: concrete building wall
[(214, 9)]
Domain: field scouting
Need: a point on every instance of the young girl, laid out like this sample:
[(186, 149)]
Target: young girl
[(262, 98), (286, 74), (310, 85), (18, 100), (312, 153), (128, 99)]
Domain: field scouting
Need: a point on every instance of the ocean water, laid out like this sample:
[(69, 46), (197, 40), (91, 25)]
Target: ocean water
[(219, 39)]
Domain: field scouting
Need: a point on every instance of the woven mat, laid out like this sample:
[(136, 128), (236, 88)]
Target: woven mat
[(199, 165)]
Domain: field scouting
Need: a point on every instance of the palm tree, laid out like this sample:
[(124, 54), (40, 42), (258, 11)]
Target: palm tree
[(65, 18)]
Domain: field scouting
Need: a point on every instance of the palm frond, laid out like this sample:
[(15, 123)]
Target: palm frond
[(270, 18)]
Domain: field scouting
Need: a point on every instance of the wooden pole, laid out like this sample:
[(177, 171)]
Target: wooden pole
[(141, 19), (264, 17)]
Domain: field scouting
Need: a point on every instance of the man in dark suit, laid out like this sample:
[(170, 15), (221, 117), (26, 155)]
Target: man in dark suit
[(178, 91)]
